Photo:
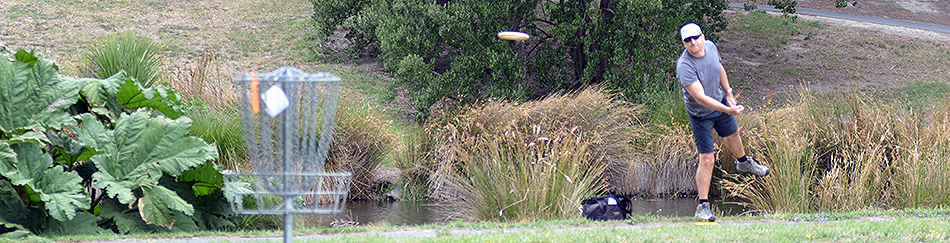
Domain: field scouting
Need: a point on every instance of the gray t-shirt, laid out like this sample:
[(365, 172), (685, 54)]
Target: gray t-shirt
[(706, 70)]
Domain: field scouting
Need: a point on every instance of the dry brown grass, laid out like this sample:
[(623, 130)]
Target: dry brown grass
[(847, 152), (506, 161), (242, 35), (361, 139), (779, 138), (665, 165), (199, 82)]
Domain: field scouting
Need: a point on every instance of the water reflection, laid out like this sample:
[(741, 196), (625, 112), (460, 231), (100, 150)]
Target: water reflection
[(419, 213), (394, 213), (679, 207)]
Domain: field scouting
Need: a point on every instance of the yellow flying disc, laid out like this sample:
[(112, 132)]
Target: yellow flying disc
[(513, 35)]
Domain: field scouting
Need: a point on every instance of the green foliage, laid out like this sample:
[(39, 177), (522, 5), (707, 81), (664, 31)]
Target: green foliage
[(135, 154), (83, 224), (333, 13), (787, 6), (223, 128), (32, 96), (447, 50), (201, 187), (117, 94), (60, 191), (207, 179), (134, 54), (844, 3), (158, 97), (157, 203), (13, 212), (413, 161), (45, 155)]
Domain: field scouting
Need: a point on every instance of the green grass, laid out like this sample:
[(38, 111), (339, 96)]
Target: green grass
[(771, 32), (138, 56), (925, 225), (896, 230), (223, 128), (28, 11), (921, 96)]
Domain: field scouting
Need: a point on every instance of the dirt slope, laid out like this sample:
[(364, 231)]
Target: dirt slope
[(832, 55)]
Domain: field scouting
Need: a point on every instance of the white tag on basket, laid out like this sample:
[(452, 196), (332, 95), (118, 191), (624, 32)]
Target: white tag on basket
[(276, 100), (611, 201)]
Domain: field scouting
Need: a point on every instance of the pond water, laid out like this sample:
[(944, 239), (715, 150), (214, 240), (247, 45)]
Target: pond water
[(681, 207), (418, 213)]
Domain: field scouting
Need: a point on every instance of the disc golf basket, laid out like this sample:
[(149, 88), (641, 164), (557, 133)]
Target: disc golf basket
[(287, 117)]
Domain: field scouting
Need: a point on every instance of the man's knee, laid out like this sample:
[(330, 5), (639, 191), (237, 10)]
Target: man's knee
[(734, 135)]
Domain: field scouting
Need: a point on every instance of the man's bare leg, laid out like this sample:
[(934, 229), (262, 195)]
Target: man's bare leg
[(734, 143), (703, 178), (704, 174)]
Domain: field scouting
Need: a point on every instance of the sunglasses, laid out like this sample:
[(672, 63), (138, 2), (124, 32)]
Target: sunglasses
[(690, 39)]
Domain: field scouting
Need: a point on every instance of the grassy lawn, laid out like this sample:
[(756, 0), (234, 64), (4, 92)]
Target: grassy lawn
[(930, 225), (866, 230)]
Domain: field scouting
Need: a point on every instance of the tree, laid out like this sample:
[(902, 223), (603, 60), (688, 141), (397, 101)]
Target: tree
[(447, 50)]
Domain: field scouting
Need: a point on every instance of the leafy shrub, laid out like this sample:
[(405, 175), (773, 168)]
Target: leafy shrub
[(137, 55), (787, 6), (507, 161), (126, 143), (448, 49)]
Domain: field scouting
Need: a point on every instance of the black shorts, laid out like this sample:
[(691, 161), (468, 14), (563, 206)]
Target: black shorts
[(725, 125)]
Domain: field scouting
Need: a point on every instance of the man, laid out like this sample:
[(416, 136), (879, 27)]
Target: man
[(710, 105)]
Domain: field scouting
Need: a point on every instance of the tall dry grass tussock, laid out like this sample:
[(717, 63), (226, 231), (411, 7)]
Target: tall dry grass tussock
[(663, 165), (508, 161), (784, 147), (847, 152), (922, 160), (205, 82), (361, 139)]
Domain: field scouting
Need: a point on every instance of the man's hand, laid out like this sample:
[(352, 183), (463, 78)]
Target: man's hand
[(696, 90), (736, 109)]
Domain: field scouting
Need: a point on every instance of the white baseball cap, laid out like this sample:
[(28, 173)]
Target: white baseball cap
[(690, 30)]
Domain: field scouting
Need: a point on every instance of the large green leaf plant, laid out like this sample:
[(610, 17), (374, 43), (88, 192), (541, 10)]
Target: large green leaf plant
[(133, 156), (80, 156)]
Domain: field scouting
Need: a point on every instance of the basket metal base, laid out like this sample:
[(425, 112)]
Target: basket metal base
[(308, 193)]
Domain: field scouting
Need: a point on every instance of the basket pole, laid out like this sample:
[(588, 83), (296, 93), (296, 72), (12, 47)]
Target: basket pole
[(288, 164)]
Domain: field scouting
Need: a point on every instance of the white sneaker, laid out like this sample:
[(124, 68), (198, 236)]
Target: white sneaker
[(752, 167), (704, 212)]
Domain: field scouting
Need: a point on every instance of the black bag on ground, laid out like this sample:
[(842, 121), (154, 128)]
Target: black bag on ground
[(607, 207)]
